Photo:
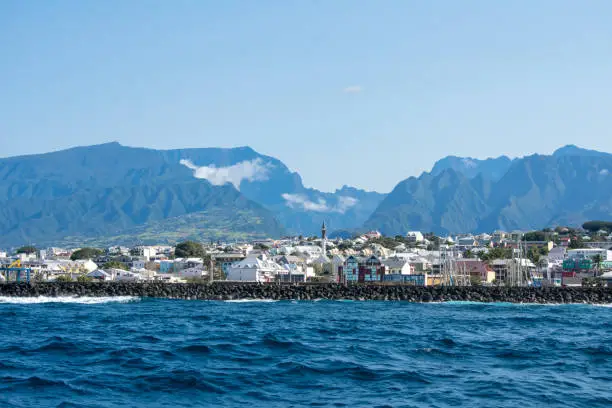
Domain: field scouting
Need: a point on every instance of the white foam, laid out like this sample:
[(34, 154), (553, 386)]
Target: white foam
[(251, 300), (85, 300)]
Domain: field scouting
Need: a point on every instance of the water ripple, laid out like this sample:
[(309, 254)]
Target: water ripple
[(169, 353)]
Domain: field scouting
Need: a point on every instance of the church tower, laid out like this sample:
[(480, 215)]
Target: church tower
[(324, 239)]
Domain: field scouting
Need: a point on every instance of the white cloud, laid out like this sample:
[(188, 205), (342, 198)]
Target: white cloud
[(604, 172), (321, 205), (299, 200), (254, 170), (353, 89), (345, 203)]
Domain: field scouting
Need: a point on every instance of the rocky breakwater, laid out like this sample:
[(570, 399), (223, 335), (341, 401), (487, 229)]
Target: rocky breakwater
[(233, 290)]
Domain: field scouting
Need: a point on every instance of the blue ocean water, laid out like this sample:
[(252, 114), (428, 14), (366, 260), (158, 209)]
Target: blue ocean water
[(170, 353)]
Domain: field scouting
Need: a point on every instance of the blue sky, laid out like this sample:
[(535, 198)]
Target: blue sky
[(363, 93)]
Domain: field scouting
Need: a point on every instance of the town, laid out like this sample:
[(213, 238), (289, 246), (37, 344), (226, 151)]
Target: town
[(551, 257)]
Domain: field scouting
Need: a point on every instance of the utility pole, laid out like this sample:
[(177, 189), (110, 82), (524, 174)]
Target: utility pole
[(212, 270)]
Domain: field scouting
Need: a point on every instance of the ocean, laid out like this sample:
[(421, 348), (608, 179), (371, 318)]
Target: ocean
[(130, 352)]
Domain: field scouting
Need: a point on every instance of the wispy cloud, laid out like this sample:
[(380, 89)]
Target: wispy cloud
[(321, 205), (345, 203), (604, 172), (353, 89), (254, 170)]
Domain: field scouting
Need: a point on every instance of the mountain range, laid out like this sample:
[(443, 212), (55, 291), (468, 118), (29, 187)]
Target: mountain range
[(569, 187), (111, 193)]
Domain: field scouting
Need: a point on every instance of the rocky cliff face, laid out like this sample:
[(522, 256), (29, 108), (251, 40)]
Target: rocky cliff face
[(569, 187)]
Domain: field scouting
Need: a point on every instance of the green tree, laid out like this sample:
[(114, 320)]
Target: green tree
[(595, 226), (63, 278), (115, 265), (536, 236), (496, 253), (261, 247), (84, 278), (533, 254), (189, 249), (28, 249), (401, 239), (576, 242), (597, 260), (386, 242), (468, 253), (85, 253)]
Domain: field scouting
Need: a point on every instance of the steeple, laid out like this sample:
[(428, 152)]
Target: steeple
[(324, 239)]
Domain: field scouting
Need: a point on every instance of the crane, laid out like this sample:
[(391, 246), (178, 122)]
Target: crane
[(16, 267)]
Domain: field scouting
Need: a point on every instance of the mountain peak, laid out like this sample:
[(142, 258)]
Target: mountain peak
[(493, 168), (573, 150)]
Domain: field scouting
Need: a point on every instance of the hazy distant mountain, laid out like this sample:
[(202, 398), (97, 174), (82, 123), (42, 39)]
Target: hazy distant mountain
[(571, 186), (111, 190), (112, 193), (491, 169)]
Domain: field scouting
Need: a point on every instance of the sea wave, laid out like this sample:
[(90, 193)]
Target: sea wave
[(85, 300), (251, 301), (328, 353)]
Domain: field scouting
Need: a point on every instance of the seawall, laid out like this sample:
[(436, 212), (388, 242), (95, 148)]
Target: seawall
[(233, 290)]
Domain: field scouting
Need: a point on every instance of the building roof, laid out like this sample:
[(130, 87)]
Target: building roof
[(256, 262), (322, 259), (395, 262), (289, 259), (99, 273)]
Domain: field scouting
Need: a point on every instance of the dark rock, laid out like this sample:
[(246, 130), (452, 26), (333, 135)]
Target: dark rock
[(236, 290)]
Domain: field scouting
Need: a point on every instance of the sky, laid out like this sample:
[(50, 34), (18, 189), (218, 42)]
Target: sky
[(357, 92)]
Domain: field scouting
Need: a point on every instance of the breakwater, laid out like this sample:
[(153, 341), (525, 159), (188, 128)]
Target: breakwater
[(234, 291)]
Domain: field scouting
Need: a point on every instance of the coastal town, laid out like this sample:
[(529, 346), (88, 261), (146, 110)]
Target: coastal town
[(551, 257)]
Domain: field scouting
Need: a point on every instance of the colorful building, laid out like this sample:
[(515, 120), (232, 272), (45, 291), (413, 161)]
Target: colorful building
[(356, 269)]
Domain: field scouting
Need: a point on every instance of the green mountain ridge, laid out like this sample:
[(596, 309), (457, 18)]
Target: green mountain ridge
[(111, 190), (569, 187)]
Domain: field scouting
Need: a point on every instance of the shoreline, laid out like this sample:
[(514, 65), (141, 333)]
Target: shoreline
[(361, 292)]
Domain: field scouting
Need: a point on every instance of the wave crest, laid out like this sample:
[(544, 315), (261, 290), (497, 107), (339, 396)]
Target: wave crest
[(85, 300)]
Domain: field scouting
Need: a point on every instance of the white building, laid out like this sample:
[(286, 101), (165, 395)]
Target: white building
[(121, 275), (311, 251), (137, 264), (557, 254), (147, 252), (293, 273), (254, 269), (87, 264), (589, 253), (101, 275), (607, 278), (398, 266), (414, 236), (196, 272), (467, 241)]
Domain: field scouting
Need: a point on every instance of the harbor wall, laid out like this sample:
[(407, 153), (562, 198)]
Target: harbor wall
[(234, 290)]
